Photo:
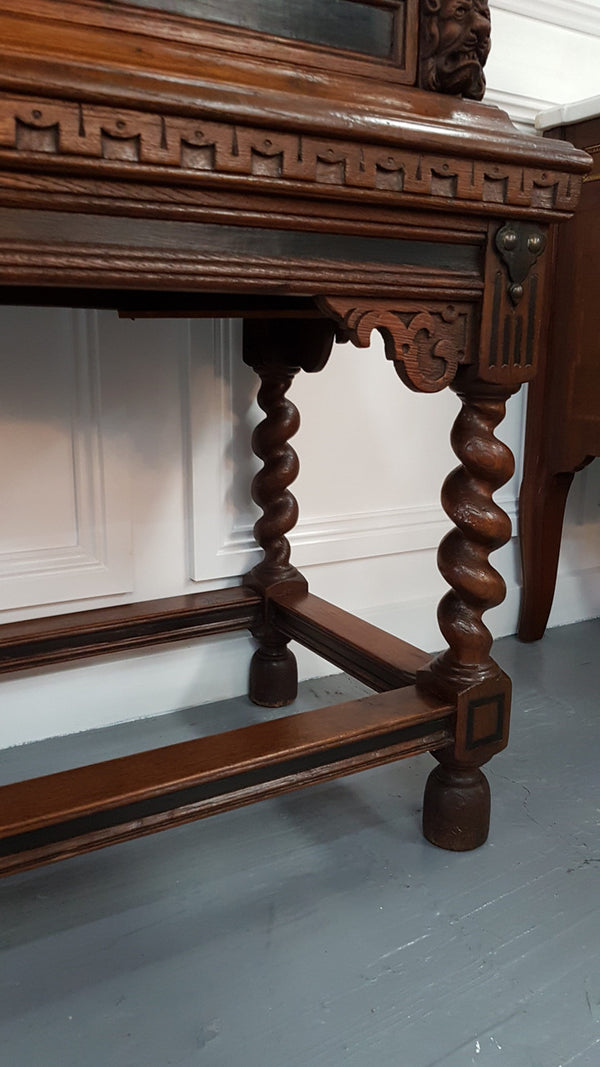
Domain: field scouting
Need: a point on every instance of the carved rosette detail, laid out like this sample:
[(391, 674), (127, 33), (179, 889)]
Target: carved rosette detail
[(426, 346), (481, 526)]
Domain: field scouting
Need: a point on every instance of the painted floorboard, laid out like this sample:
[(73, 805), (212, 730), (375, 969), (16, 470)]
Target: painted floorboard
[(319, 928)]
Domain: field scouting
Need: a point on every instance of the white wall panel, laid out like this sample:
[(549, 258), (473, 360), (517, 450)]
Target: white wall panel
[(582, 16), (65, 518), (543, 53), (125, 466), (360, 492)]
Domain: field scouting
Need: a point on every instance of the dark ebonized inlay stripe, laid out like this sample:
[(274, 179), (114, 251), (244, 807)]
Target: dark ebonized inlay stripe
[(207, 240), (518, 341), (495, 320), (508, 330), (530, 347), (284, 769)]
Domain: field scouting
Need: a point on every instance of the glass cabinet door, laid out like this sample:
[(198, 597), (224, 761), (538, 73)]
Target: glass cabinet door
[(374, 29)]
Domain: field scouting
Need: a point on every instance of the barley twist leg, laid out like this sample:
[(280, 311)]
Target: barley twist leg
[(457, 800), (277, 349)]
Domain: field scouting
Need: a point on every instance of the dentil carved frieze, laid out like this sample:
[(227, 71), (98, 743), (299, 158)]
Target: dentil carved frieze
[(92, 138)]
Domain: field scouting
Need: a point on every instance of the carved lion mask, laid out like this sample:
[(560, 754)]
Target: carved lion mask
[(455, 43)]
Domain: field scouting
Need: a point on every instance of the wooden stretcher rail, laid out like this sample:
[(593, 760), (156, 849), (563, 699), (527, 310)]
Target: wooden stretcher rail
[(39, 642), (50, 818), (365, 652)]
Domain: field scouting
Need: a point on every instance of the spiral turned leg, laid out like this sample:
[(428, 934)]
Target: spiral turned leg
[(457, 801), (270, 442), (273, 670), (480, 528), (277, 349)]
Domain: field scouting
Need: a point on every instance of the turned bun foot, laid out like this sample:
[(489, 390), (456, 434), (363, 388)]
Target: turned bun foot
[(273, 678), (456, 808)]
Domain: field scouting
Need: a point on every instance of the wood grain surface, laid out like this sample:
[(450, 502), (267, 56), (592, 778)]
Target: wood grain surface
[(74, 811)]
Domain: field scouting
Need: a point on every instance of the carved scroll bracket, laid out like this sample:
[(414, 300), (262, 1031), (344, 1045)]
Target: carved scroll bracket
[(426, 344)]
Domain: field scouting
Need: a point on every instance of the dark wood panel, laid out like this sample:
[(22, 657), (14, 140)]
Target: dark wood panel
[(62, 250), (26, 266), (372, 28), (59, 638), (207, 240), (58, 815), (364, 651)]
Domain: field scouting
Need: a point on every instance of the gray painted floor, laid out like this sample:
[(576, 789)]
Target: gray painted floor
[(319, 928)]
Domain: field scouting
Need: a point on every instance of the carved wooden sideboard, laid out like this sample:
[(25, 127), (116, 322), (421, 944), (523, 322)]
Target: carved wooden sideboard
[(563, 410), (318, 170)]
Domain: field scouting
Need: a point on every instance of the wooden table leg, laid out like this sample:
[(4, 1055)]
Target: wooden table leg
[(277, 349), (456, 809), (542, 502)]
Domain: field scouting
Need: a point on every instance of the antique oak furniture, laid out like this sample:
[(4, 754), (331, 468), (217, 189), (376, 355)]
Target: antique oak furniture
[(319, 169), (563, 411)]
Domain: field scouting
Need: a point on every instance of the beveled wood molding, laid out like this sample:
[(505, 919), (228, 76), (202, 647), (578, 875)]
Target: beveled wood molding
[(104, 631), (365, 652), (64, 137), (160, 269)]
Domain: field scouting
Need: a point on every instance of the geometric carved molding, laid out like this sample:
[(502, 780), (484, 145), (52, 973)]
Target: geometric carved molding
[(220, 415), (91, 555), (83, 136)]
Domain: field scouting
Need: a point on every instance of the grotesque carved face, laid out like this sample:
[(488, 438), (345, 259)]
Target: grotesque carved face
[(455, 44)]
